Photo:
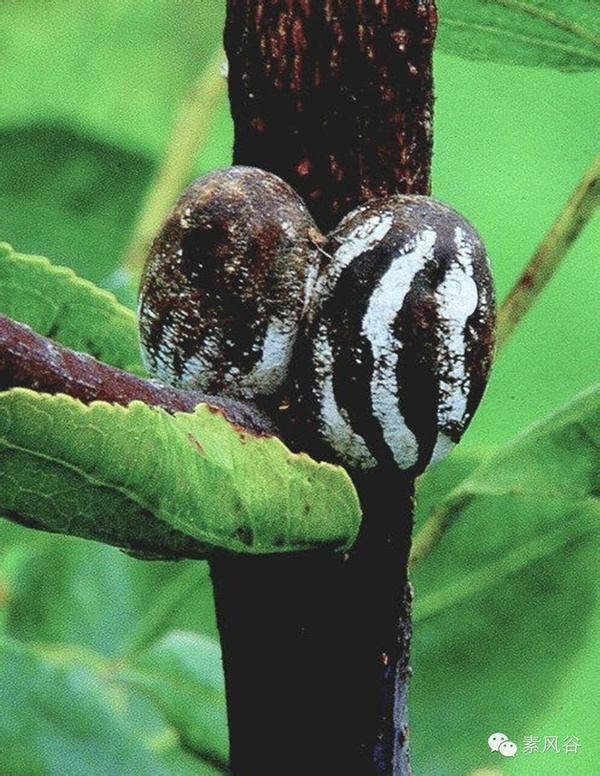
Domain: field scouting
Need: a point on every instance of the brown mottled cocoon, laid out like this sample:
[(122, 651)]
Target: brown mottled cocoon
[(224, 286)]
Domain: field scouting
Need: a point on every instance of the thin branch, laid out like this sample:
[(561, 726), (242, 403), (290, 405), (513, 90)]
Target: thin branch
[(29, 360), (195, 117), (562, 234)]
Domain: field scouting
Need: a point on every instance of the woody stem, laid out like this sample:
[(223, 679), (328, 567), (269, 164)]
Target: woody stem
[(334, 96)]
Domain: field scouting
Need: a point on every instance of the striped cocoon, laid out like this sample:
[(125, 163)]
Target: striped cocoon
[(398, 337)]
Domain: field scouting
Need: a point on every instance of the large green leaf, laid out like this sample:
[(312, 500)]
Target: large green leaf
[(68, 718), (171, 485), (99, 612), (68, 194), (71, 592), (60, 305), (64, 712), (64, 590), (182, 673), (433, 486), (556, 458), (507, 598), (545, 33)]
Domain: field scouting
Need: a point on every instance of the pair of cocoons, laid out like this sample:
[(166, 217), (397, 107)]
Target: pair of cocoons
[(381, 333)]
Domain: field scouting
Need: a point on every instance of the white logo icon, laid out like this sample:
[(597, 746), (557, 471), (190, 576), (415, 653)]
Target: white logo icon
[(498, 742), (508, 749), (495, 741)]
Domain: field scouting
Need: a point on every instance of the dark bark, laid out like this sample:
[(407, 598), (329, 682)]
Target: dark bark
[(28, 360), (315, 650), (335, 97)]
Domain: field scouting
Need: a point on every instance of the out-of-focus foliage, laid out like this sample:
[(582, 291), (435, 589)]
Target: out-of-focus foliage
[(88, 681), (89, 91), (507, 599), (545, 33), (182, 674)]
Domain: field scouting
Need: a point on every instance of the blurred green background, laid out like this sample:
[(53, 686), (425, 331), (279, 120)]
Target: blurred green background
[(89, 91)]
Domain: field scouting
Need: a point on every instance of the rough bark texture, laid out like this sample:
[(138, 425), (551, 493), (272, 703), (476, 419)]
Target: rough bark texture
[(335, 96), (28, 360)]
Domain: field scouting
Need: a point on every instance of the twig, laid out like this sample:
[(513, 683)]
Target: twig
[(562, 234), (189, 132), (29, 360)]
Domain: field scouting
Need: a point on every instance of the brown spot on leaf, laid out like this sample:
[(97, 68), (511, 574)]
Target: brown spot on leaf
[(243, 535), (196, 444)]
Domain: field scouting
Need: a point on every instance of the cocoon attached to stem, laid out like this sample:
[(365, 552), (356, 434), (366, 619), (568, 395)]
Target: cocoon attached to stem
[(397, 343), (223, 288), (316, 647)]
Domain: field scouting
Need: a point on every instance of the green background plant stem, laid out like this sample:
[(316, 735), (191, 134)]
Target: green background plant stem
[(567, 227), (89, 94), (188, 136)]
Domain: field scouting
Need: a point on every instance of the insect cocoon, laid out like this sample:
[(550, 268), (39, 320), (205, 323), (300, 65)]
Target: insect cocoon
[(398, 339), (224, 285)]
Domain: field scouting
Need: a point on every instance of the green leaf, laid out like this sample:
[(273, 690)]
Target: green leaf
[(167, 485), (58, 304), (80, 64), (184, 601), (183, 675), (70, 720), (575, 707), (438, 480), (556, 458), (543, 33), (64, 590), (94, 607), (68, 194), (70, 592), (506, 599)]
